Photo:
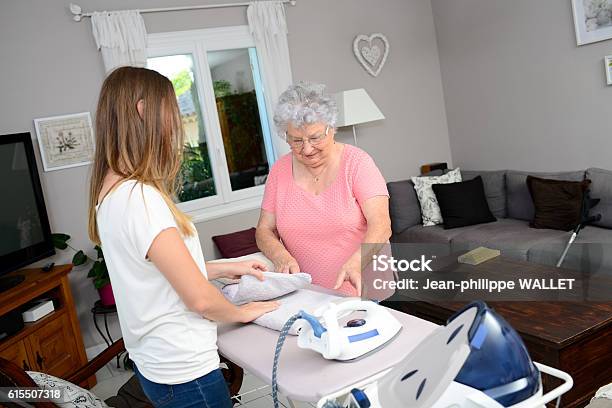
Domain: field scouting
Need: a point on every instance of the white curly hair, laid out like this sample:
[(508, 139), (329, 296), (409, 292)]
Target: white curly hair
[(302, 104)]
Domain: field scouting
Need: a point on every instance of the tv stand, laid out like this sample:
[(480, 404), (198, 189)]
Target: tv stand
[(52, 344), (10, 282)]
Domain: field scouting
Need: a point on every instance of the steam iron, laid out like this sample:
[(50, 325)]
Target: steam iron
[(476, 361), (354, 339)]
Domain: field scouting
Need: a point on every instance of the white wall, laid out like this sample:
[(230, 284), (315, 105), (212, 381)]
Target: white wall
[(50, 67), (519, 93), (407, 91)]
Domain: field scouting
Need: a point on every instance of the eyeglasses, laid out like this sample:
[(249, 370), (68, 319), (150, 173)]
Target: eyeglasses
[(315, 140)]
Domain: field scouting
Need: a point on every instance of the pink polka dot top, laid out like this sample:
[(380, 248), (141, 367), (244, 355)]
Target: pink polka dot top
[(322, 231)]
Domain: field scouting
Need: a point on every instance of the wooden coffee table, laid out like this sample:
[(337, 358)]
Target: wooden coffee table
[(575, 337)]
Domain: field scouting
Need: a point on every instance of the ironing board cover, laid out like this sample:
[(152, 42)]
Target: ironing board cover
[(304, 299)]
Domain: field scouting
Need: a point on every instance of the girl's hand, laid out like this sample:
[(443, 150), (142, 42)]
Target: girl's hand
[(286, 264), (248, 267), (253, 310), (350, 271)]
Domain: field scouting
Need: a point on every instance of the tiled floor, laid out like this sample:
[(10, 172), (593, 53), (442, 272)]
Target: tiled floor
[(110, 379), (256, 394)]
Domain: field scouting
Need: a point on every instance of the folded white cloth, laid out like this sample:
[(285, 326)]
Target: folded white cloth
[(251, 289), (303, 299), (275, 285)]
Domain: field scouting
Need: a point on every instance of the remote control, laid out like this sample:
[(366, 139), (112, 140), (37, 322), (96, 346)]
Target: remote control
[(48, 267)]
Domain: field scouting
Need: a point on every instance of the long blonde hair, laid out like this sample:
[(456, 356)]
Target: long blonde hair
[(148, 149)]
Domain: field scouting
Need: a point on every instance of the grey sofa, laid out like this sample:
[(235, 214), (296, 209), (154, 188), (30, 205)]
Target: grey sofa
[(510, 201)]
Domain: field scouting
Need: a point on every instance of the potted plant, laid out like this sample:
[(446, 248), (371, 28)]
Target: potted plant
[(98, 272)]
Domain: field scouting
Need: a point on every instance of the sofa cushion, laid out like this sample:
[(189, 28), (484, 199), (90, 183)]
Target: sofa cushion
[(601, 187), (72, 396), (558, 203), (519, 203), (404, 206), (592, 251), (236, 244), (513, 237), (463, 203), (430, 235), (494, 187), (430, 211)]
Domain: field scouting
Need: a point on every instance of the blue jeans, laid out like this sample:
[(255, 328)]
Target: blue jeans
[(209, 391)]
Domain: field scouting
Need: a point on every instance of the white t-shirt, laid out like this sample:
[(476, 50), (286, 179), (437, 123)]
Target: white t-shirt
[(169, 343)]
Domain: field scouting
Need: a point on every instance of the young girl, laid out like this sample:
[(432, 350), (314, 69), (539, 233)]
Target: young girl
[(166, 305)]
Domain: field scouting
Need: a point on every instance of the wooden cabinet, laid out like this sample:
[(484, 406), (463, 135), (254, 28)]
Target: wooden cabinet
[(52, 344), (53, 348), (17, 353)]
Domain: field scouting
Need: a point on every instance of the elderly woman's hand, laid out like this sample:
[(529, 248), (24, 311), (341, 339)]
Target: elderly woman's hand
[(350, 271), (286, 264)]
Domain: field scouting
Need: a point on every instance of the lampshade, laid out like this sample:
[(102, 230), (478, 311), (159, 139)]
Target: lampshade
[(355, 106)]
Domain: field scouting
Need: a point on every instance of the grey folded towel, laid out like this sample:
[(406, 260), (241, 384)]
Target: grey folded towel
[(251, 289)]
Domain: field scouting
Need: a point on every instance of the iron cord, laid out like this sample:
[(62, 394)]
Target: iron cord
[(279, 345)]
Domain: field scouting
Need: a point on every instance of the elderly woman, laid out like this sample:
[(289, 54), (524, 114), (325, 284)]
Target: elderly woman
[(322, 200)]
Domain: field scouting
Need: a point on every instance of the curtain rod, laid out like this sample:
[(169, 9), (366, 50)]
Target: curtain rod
[(75, 9)]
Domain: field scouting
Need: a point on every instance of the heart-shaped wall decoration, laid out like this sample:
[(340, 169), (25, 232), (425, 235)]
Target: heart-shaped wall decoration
[(368, 52)]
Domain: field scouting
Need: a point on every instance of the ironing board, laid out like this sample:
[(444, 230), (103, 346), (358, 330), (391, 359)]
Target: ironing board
[(304, 375)]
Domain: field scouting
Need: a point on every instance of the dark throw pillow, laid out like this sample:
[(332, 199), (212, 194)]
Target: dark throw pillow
[(558, 203), (463, 203), (237, 243)]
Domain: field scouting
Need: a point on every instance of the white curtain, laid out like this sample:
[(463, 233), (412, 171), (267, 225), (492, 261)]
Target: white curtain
[(122, 38), (268, 27)]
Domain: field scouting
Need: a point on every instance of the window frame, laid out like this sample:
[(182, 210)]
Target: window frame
[(198, 43)]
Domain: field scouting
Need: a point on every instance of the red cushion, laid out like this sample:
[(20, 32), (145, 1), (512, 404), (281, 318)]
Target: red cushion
[(237, 243)]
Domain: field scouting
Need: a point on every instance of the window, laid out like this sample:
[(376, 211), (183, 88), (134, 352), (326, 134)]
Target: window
[(228, 151), (196, 171)]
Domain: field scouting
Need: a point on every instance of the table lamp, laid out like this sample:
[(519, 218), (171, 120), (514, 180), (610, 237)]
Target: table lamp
[(354, 107)]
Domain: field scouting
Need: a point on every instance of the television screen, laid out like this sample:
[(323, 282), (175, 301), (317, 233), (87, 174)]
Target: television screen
[(25, 235)]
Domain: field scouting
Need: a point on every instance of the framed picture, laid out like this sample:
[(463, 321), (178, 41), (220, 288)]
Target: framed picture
[(608, 67), (592, 20), (65, 141)]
